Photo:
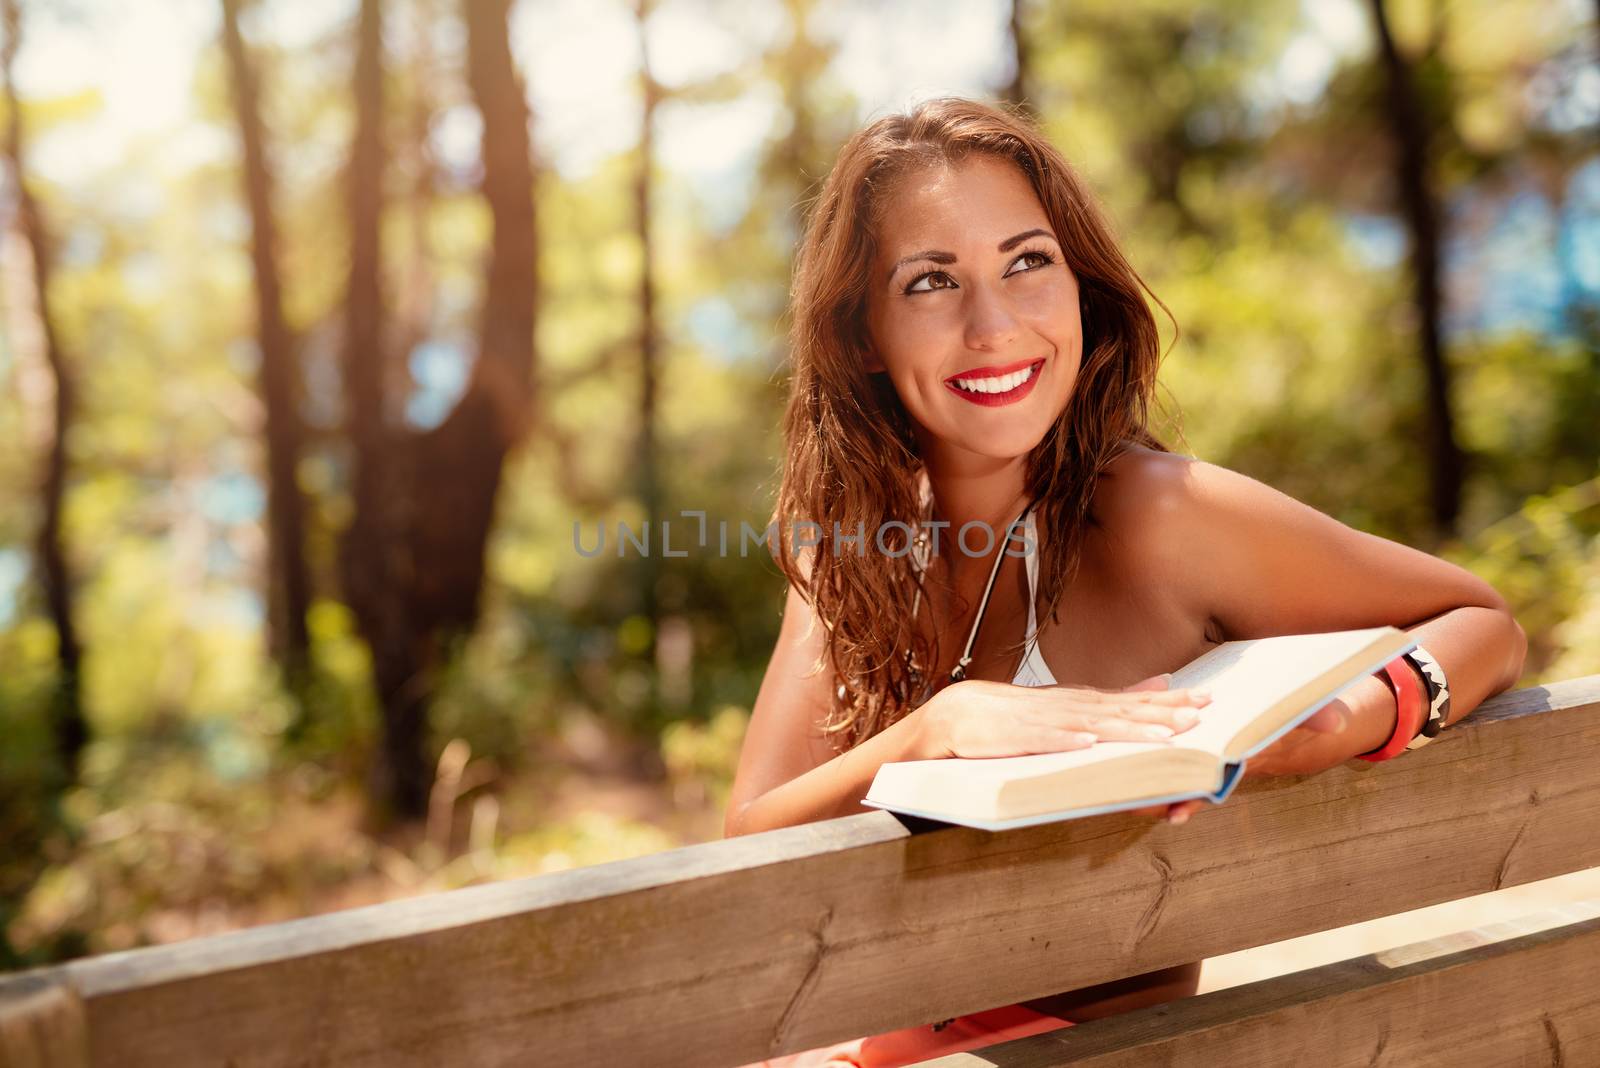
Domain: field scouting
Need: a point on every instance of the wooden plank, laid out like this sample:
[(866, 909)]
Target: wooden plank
[(41, 1025), (1530, 999), (739, 949)]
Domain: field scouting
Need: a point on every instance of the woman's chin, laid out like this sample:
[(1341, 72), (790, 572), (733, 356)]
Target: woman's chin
[(993, 434), (1007, 443)]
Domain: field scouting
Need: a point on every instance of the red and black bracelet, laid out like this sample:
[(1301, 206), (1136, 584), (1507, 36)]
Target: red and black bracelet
[(1410, 708)]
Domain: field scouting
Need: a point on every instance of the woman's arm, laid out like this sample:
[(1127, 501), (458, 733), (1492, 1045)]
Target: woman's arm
[(788, 773), (1272, 565), (1467, 641)]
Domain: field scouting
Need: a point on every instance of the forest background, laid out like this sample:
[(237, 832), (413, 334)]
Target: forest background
[(323, 324)]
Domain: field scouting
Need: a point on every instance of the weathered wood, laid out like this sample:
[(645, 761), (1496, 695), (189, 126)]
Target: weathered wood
[(1526, 1000), (41, 1026), (785, 940)]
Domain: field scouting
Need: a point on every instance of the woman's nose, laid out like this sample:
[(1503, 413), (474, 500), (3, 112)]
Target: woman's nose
[(990, 322)]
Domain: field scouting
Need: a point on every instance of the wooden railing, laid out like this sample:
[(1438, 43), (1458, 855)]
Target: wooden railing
[(731, 951)]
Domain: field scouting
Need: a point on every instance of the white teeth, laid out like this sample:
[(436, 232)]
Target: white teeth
[(999, 384)]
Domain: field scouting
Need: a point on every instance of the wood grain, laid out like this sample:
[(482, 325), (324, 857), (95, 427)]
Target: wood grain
[(1530, 1000), (735, 950), (41, 1025)]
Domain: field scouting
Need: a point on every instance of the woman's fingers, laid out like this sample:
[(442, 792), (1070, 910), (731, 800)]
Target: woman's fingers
[(1194, 696), (1180, 812), (1110, 727), (1176, 718), (1179, 719), (1177, 812), (1041, 738), (1329, 719), (1118, 729), (998, 719)]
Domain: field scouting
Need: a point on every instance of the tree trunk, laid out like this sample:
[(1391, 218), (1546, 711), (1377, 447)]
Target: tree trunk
[(505, 367), (413, 559), (459, 463), (68, 726), (798, 157), (1017, 91), (417, 287), (288, 584), (1410, 129), (645, 454), (375, 565)]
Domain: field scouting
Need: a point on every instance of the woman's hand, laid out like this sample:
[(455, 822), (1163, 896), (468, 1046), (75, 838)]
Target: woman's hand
[(1325, 740), (996, 719)]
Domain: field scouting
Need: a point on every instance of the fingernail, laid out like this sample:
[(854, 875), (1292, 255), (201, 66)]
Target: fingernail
[(1179, 817), (1156, 730), (1200, 695), (1186, 717)]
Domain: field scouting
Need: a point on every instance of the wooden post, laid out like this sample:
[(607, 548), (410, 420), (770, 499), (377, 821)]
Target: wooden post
[(42, 1026)]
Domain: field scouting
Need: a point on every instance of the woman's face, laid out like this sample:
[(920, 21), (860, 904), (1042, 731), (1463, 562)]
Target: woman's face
[(972, 311)]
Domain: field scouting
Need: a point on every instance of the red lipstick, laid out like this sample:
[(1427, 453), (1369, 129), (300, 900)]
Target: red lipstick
[(996, 400)]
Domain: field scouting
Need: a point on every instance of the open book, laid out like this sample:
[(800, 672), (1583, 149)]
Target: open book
[(1260, 689)]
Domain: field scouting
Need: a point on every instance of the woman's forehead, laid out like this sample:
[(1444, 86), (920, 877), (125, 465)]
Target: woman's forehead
[(981, 200)]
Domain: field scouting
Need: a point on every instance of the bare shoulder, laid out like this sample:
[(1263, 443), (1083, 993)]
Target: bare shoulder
[(1159, 509), (1255, 561), (1151, 513), (1146, 496), (1141, 495)]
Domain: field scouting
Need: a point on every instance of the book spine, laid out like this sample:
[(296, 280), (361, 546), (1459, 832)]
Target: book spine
[(1231, 774)]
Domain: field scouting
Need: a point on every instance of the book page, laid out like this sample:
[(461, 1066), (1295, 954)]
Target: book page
[(1248, 678)]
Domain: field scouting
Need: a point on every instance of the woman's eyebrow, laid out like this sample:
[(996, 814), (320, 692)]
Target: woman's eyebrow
[(933, 255), (1012, 242), (936, 256)]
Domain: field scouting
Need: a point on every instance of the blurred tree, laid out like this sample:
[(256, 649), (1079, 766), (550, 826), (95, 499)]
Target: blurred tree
[(288, 594), (69, 727), (649, 481), (792, 163), (460, 462), (1169, 83), (412, 559), (1017, 90), (1411, 130), (375, 567), (417, 300)]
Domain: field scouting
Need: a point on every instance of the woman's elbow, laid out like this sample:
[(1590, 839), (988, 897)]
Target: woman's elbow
[(733, 819), (1519, 652), (1516, 639)]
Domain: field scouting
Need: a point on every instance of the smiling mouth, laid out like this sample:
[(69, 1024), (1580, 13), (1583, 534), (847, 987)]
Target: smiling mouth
[(994, 386)]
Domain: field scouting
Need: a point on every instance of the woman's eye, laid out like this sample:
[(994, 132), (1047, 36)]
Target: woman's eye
[(925, 283), (1031, 261)]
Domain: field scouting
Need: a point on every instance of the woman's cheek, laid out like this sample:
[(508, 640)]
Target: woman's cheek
[(1053, 309)]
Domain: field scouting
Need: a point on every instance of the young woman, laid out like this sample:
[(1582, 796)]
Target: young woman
[(972, 351)]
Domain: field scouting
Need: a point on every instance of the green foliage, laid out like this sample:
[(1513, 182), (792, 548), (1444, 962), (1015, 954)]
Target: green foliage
[(1544, 559), (701, 758)]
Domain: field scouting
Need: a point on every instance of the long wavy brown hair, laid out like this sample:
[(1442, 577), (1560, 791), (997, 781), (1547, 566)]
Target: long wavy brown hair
[(851, 456)]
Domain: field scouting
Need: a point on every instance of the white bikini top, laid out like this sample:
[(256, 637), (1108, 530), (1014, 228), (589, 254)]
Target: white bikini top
[(1033, 671)]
